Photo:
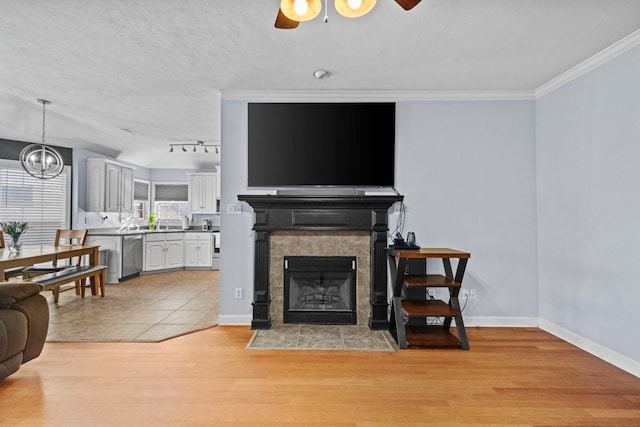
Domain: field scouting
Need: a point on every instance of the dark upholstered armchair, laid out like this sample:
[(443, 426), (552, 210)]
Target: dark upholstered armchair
[(24, 321)]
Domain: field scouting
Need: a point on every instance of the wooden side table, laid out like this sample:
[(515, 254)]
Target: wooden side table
[(411, 305)]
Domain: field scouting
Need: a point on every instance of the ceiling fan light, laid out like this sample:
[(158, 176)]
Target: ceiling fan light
[(354, 8), (301, 10)]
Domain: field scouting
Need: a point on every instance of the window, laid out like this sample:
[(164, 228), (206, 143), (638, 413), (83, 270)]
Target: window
[(171, 201), (43, 203)]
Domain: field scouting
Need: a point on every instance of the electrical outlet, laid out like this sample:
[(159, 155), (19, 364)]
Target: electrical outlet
[(468, 293), (238, 293), (234, 209)]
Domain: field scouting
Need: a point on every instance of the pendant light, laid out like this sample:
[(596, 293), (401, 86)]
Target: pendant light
[(354, 8), (40, 160)]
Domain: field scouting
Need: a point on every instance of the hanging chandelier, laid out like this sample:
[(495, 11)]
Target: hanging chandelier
[(40, 160), (195, 146)]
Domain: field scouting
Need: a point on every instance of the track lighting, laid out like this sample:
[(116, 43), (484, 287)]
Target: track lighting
[(195, 147)]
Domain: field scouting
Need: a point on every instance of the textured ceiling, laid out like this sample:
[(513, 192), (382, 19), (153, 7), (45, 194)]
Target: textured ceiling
[(157, 68)]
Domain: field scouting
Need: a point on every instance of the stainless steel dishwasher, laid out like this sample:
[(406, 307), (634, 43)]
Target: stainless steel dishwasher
[(132, 256)]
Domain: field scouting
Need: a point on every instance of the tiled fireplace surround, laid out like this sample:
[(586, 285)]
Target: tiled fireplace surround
[(340, 225), (319, 243)]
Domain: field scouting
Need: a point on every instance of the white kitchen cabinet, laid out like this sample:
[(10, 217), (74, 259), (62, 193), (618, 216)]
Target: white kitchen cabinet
[(163, 251), (198, 249), (114, 245), (109, 186), (202, 193)]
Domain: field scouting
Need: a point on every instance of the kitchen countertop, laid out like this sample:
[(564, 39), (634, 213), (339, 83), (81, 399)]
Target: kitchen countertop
[(114, 231)]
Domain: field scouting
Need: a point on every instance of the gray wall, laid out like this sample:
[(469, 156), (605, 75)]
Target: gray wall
[(544, 194), (467, 170), (588, 149), (236, 244)]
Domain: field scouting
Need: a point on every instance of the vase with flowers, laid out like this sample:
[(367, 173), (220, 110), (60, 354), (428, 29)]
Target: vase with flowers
[(14, 229)]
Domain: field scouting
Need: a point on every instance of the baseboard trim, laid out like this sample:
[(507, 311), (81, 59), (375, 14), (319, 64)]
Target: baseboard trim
[(234, 320), (505, 322), (616, 359)]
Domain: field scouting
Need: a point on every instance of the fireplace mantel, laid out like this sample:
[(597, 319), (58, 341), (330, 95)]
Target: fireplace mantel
[(317, 213)]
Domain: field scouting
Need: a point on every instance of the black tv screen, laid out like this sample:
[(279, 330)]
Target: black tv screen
[(321, 144)]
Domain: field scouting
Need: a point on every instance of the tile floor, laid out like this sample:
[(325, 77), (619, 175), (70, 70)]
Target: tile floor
[(148, 308), (321, 337)]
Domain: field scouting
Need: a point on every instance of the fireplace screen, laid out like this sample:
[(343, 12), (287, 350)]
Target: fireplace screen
[(320, 290)]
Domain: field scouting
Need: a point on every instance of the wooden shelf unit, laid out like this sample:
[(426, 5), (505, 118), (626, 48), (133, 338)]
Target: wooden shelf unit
[(411, 305)]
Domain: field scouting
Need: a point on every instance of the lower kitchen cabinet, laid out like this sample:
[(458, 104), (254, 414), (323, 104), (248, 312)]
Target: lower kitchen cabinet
[(198, 249), (112, 244), (163, 251)]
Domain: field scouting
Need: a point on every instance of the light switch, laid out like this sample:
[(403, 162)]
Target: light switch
[(234, 209)]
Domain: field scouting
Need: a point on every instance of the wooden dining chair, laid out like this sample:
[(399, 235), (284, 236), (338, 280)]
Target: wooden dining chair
[(63, 237), (12, 272)]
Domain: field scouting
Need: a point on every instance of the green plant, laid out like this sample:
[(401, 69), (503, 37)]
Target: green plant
[(152, 218), (14, 228)]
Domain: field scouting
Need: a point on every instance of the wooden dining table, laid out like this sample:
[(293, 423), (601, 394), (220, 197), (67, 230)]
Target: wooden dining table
[(35, 254)]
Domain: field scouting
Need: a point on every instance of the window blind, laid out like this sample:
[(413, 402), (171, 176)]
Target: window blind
[(171, 192), (43, 203), (140, 190)]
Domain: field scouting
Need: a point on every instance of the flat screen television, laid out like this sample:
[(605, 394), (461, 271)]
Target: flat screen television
[(321, 144)]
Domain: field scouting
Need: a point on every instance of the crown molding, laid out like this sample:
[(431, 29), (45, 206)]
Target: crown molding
[(600, 58), (376, 96)]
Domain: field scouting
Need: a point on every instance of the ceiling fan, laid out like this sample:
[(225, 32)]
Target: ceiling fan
[(292, 12)]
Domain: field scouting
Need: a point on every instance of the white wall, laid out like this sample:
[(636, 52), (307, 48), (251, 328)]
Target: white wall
[(588, 150)]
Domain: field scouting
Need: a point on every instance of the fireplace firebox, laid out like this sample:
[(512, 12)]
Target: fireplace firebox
[(320, 290)]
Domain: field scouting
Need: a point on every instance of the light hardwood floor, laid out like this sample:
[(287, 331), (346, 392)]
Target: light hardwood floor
[(510, 377)]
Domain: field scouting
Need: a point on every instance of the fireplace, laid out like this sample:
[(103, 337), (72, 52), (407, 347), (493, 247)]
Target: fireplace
[(326, 220), (320, 290)]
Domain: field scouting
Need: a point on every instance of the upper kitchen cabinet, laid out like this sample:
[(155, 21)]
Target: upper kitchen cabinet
[(109, 186), (202, 193)]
